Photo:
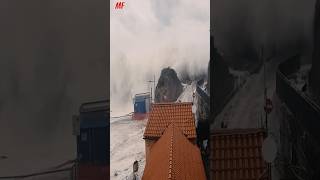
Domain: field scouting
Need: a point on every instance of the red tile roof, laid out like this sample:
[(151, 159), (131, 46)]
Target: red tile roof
[(163, 114), (236, 154), (174, 157)]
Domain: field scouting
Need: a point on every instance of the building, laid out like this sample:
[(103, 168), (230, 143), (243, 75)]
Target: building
[(174, 157), (299, 126), (164, 114), (314, 76), (93, 141), (141, 104), (236, 154)]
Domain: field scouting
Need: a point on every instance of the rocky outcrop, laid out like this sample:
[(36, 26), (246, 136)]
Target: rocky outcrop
[(169, 86)]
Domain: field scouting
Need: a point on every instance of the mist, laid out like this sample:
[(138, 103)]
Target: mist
[(283, 26), (52, 59), (147, 36)]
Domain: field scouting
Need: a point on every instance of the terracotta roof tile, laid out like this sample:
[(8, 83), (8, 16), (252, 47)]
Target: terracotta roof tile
[(163, 114), (236, 154), (174, 157)]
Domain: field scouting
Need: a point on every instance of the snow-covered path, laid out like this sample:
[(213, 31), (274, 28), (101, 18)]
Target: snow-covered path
[(245, 109), (126, 146)]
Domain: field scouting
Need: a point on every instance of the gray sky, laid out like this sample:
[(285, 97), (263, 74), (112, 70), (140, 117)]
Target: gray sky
[(241, 24), (147, 36)]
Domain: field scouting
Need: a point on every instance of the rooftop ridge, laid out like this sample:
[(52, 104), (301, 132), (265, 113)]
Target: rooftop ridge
[(170, 173), (174, 157), (173, 131), (172, 103)]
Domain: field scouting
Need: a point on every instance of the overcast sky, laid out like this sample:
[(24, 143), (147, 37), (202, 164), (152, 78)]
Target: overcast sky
[(147, 36), (238, 25)]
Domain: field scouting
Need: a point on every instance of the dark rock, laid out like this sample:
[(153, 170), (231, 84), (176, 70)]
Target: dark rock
[(135, 166), (169, 86)]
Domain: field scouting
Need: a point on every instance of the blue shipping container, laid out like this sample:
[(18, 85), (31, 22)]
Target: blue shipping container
[(141, 103), (140, 107)]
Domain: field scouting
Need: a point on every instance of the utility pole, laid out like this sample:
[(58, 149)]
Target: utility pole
[(154, 86), (154, 82), (151, 95), (265, 88)]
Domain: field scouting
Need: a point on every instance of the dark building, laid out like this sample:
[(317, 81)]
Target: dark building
[(299, 126), (93, 141), (314, 77), (221, 82)]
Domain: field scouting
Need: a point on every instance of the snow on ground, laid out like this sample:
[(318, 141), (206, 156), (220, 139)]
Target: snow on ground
[(187, 94), (126, 146), (245, 109), (240, 76)]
